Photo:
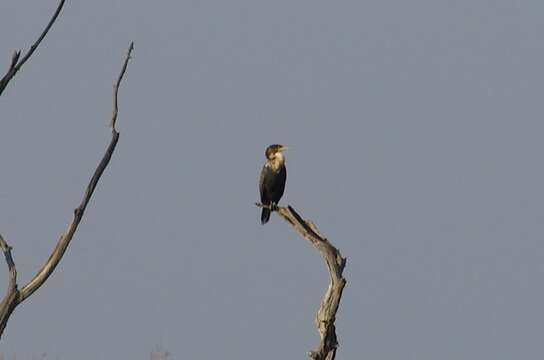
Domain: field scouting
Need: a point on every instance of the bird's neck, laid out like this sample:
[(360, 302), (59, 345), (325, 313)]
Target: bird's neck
[(277, 162)]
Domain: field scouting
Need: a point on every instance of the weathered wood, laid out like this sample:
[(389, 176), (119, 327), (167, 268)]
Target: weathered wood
[(15, 296), (11, 298), (326, 314)]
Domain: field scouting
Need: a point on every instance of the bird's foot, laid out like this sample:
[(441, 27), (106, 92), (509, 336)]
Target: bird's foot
[(270, 206)]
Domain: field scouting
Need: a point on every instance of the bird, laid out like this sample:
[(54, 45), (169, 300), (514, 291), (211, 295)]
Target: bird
[(272, 179)]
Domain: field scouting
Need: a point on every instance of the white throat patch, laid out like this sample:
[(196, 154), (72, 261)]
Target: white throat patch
[(277, 161)]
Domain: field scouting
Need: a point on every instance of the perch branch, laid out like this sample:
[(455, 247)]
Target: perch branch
[(326, 315), (15, 297), (15, 63)]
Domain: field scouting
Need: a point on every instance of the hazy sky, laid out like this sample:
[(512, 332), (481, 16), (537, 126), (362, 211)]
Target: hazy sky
[(415, 143)]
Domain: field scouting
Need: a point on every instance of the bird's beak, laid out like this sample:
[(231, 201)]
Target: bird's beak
[(283, 148)]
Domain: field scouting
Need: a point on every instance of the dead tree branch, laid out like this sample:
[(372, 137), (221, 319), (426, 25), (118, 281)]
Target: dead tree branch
[(116, 87), (326, 315), (16, 64), (15, 296), (10, 299)]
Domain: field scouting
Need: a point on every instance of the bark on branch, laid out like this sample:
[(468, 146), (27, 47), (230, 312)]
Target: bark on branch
[(17, 61), (16, 296), (326, 315)]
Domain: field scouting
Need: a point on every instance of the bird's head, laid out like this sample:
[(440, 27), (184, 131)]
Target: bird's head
[(275, 152)]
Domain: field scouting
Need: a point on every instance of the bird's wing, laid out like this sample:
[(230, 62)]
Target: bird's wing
[(262, 187), (283, 174), (282, 178)]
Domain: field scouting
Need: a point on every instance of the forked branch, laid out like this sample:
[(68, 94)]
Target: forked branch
[(17, 61), (326, 315), (15, 296)]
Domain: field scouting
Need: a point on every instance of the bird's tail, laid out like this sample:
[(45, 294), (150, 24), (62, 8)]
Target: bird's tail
[(265, 216)]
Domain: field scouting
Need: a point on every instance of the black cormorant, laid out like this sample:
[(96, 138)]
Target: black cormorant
[(272, 181)]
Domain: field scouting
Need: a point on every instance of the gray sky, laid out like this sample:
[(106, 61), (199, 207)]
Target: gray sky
[(415, 132)]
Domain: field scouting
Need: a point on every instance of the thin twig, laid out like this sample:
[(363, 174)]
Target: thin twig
[(116, 87), (15, 63)]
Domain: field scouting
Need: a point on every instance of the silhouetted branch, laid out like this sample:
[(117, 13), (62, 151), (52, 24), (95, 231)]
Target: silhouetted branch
[(116, 87), (14, 296), (15, 63), (326, 315)]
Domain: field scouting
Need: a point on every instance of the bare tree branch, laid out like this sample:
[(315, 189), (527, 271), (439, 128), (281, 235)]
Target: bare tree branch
[(8, 303), (14, 296), (15, 63), (116, 87), (326, 315)]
